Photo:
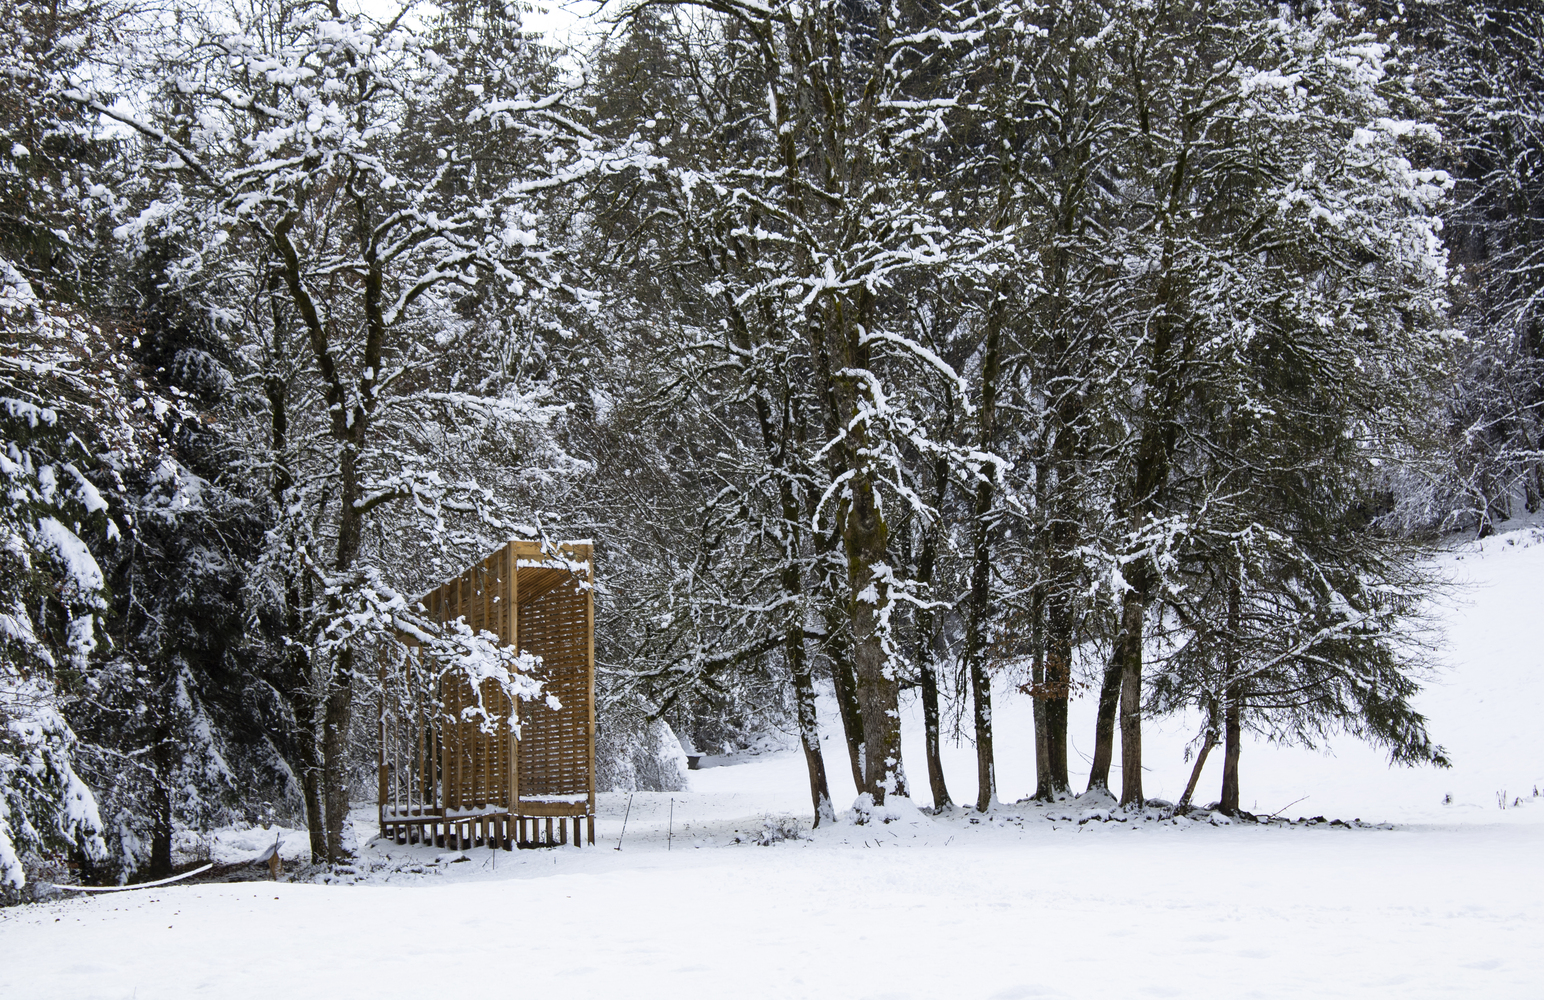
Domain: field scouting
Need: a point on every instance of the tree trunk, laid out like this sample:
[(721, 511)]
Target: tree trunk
[(1058, 687), (161, 832), (809, 730), (930, 723), (865, 542), (1210, 740), (1132, 612), (337, 710), (1056, 737), (349, 429), (981, 573), (864, 533), (1043, 791), (975, 655), (310, 753), (1232, 740), (927, 624), (981, 696), (1104, 721), (1232, 695), (845, 683), (297, 680), (1037, 685)]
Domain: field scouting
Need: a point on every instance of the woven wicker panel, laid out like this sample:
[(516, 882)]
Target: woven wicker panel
[(555, 754)]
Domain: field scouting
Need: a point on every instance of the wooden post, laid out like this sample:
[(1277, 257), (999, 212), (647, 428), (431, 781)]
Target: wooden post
[(464, 612), (513, 556), (589, 620), (380, 751), (478, 760)]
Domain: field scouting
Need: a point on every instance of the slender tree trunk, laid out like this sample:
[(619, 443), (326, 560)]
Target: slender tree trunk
[(986, 775), (1058, 686), (1231, 746), (298, 680), (1232, 698), (337, 707), (804, 699), (1104, 721), (1210, 740), (337, 711), (309, 750), (979, 610), (844, 681), (776, 435), (930, 723), (1043, 791), (1132, 612), (975, 658), (161, 832), (809, 730), (927, 625)]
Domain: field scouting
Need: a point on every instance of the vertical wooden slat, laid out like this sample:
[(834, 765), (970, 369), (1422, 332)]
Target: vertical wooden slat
[(442, 786), (423, 773), (396, 759), (397, 728)]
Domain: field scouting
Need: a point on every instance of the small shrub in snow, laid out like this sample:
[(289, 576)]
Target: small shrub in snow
[(633, 754), (774, 829)]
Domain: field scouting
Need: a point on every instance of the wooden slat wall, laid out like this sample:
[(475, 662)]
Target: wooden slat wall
[(555, 744), (543, 609), (479, 764)]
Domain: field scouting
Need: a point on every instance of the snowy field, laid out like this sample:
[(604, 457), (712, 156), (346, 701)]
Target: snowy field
[(1440, 892)]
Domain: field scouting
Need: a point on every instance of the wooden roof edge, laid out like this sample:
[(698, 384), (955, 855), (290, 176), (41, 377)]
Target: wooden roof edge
[(582, 547)]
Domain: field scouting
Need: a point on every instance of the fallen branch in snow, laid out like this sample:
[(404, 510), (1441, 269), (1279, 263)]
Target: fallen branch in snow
[(142, 885), (1284, 808)]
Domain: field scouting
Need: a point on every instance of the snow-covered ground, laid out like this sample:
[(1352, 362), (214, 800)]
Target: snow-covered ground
[(1444, 896)]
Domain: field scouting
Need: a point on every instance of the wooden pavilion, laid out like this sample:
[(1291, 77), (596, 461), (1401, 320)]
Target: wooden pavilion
[(444, 779)]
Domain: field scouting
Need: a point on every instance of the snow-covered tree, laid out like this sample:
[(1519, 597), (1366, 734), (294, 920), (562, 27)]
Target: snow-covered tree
[(1277, 252), (51, 588), (1483, 60), (349, 192)]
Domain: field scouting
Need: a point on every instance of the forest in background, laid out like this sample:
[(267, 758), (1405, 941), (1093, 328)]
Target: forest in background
[(1130, 347)]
